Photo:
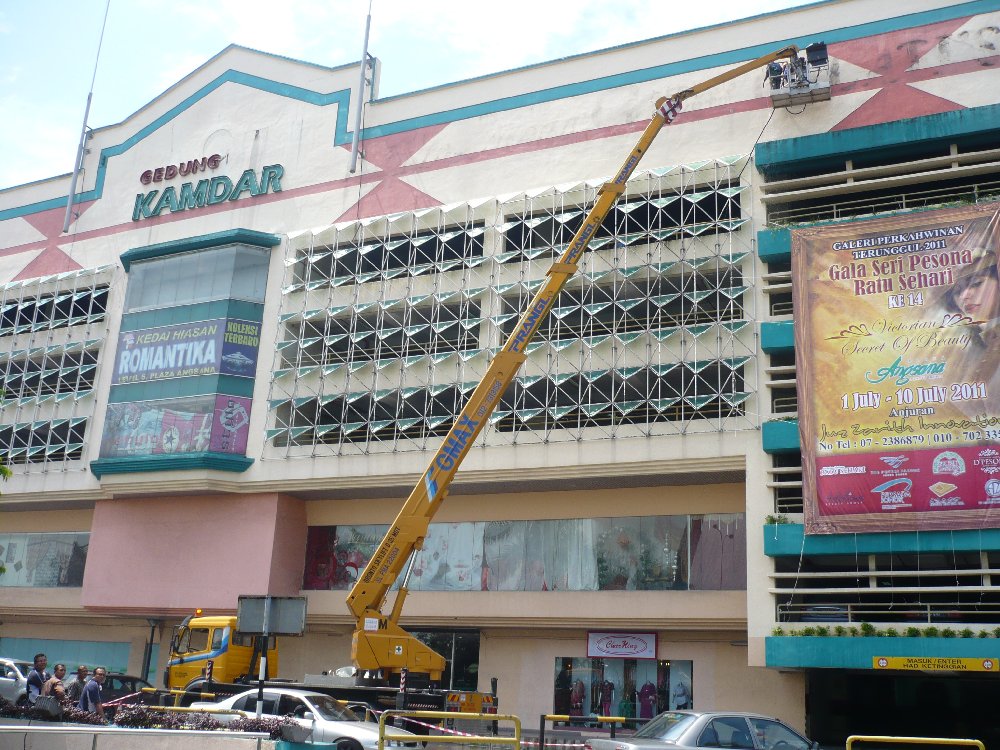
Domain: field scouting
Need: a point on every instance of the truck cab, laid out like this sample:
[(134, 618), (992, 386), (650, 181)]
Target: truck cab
[(200, 641)]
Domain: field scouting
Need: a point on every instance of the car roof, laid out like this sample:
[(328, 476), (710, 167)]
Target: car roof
[(290, 691), (19, 662), (712, 714)]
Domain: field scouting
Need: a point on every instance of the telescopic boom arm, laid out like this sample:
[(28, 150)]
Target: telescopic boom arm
[(379, 643)]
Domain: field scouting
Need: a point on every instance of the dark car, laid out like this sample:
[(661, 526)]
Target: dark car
[(121, 685), (708, 729)]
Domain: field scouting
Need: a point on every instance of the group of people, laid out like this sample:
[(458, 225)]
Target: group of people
[(83, 693)]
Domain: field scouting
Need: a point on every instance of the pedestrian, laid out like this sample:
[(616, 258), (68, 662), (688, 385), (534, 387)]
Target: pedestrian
[(75, 689), (54, 685), (91, 699), (37, 677)]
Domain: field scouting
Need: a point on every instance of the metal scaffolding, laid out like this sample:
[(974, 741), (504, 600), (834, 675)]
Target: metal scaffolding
[(387, 323)]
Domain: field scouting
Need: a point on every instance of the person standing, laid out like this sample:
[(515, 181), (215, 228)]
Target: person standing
[(75, 689), (37, 677), (91, 699), (54, 685)]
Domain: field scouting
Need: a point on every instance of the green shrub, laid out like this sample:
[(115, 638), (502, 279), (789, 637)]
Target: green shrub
[(778, 631), (967, 633), (809, 631), (891, 633), (931, 632), (854, 631), (984, 634), (948, 633), (840, 630), (867, 629), (822, 631), (912, 632)]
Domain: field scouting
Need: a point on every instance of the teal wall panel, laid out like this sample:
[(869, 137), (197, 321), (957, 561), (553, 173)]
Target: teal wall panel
[(837, 652), (112, 655), (780, 436), (777, 336), (200, 385), (226, 308), (786, 540), (910, 138), (774, 245)]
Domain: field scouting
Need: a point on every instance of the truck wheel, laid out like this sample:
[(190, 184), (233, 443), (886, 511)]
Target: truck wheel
[(348, 743)]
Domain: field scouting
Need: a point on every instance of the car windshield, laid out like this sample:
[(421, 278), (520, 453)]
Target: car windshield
[(331, 709), (666, 726)]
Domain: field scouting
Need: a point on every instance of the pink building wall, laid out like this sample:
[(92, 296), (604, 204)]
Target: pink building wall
[(159, 555)]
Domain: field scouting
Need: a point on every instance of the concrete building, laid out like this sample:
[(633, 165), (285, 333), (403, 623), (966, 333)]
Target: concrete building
[(229, 372)]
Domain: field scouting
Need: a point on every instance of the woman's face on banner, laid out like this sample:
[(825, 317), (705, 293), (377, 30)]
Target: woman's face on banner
[(980, 297)]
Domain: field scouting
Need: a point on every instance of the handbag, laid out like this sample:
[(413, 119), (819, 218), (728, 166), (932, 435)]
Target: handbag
[(48, 706)]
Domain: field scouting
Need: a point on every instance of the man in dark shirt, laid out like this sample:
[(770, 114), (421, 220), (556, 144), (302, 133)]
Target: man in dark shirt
[(91, 700), (37, 677), (75, 689)]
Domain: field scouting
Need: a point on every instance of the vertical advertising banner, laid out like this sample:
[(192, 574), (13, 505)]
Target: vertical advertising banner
[(897, 338)]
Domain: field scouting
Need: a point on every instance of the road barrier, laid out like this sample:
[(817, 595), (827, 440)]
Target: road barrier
[(464, 738), (913, 741)]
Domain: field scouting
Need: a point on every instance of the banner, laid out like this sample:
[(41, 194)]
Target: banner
[(897, 355), (215, 422), (227, 347)]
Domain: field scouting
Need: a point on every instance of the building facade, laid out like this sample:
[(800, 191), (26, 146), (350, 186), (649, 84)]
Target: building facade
[(225, 377)]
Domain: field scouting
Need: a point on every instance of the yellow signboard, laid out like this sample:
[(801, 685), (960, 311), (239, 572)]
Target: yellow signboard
[(936, 663)]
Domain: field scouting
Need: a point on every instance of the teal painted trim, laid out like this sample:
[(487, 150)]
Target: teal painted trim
[(216, 239), (232, 309), (161, 462), (774, 245), (786, 540), (342, 98), (777, 336), (110, 654), (200, 385), (780, 436), (792, 155), (846, 652)]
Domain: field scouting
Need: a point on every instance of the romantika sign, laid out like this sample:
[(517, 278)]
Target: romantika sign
[(207, 347), (898, 353)]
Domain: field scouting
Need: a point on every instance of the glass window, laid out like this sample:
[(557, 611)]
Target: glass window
[(193, 639), (645, 553), (731, 731), (461, 652), (43, 560), (774, 735), (632, 688), (230, 272), (217, 636)]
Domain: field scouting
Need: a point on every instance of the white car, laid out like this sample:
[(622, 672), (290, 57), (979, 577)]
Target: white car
[(330, 720), (14, 680)]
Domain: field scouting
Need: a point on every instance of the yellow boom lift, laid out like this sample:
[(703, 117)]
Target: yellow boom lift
[(380, 645)]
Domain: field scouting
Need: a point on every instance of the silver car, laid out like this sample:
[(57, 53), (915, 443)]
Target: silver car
[(14, 680), (329, 719), (708, 729)]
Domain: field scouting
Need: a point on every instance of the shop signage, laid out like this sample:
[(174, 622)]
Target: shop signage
[(216, 422), (935, 663), (621, 645), (227, 347), (896, 325), (208, 192)]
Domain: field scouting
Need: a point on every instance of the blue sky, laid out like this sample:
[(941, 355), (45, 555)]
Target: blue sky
[(48, 50)]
